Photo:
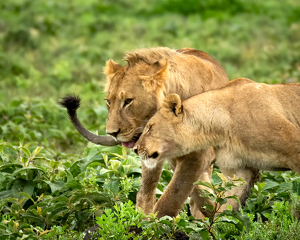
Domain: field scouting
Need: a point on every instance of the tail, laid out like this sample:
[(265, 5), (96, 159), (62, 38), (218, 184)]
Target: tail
[(72, 103)]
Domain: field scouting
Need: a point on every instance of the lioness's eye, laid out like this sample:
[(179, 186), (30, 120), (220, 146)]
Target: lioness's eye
[(107, 103), (127, 102), (149, 128)]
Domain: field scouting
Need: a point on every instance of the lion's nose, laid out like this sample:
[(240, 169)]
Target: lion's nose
[(114, 134)]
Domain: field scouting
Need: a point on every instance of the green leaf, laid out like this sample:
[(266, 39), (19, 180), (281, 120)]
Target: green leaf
[(27, 168), (73, 184), (115, 164), (105, 171), (55, 186), (26, 195), (166, 222), (26, 151), (296, 187), (36, 151), (113, 185), (134, 170), (126, 168), (285, 186), (270, 184), (236, 199), (31, 216), (204, 234), (58, 211), (221, 201), (182, 223), (60, 199), (206, 184), (69, 175), (75, 168), (208, 207), (21, 185), (6, 144), (95, 159), (10, 167), (15, 103), (114, 150), (243, 218), (216, 179), (5, 194), (92, 153)]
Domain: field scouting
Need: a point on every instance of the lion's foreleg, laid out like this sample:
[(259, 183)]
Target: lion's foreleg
[(146, 197)]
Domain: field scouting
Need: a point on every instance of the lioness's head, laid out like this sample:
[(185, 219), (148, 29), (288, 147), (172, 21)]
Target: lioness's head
[(164, 134), (134, 94)]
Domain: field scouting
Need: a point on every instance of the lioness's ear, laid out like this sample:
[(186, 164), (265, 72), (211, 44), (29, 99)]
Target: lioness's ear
[(172, 103), (111, 67), (156, 81)]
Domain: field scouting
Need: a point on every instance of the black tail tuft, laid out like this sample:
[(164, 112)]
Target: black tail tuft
[(71, 102)]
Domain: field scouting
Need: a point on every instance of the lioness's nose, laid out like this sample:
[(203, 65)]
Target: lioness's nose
[(114, 134)]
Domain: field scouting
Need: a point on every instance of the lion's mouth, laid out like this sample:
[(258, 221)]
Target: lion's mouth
[(131, 143)]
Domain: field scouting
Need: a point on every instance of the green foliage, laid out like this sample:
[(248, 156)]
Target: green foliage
[(216, 193), (273, 186), (53, 185), (116, 223), (45, 122), (38, 191), (49, 48), (281, 224)]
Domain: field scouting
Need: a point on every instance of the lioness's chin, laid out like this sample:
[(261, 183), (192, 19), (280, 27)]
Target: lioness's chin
[(150, 163)]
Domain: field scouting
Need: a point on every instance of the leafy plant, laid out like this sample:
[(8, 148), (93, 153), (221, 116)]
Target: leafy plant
[(216, 193), (272, 187), (39, 191)]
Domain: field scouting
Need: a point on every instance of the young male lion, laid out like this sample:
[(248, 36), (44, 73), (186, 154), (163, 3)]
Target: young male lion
[(135, 92), (249, 125)]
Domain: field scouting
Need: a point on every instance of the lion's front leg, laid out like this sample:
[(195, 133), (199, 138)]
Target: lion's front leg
[(146, 197), (187, 170)]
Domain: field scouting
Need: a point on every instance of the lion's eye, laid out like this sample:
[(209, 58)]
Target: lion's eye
[(127, 102)]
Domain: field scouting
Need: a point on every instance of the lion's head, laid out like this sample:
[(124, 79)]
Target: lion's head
[(134, 94), (136, 91), (164, 133)]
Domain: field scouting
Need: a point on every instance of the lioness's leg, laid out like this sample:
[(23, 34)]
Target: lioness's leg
[(196, 202), (250, 176), (187, 171), (146, 197)]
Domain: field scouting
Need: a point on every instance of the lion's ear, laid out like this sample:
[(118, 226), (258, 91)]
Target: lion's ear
[(111, 67), (155, 82), (172, 103)]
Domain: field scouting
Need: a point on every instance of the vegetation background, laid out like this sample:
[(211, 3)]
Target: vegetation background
[(52, 182)]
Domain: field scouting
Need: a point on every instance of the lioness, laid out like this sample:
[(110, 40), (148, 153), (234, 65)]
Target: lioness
[(249, 125), (134, 93)]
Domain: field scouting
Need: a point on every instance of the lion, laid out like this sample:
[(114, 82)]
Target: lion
[(249, 125), (134, 94)]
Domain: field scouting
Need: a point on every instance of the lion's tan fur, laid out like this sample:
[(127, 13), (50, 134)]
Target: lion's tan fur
[(136, 91), (250, 126)]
